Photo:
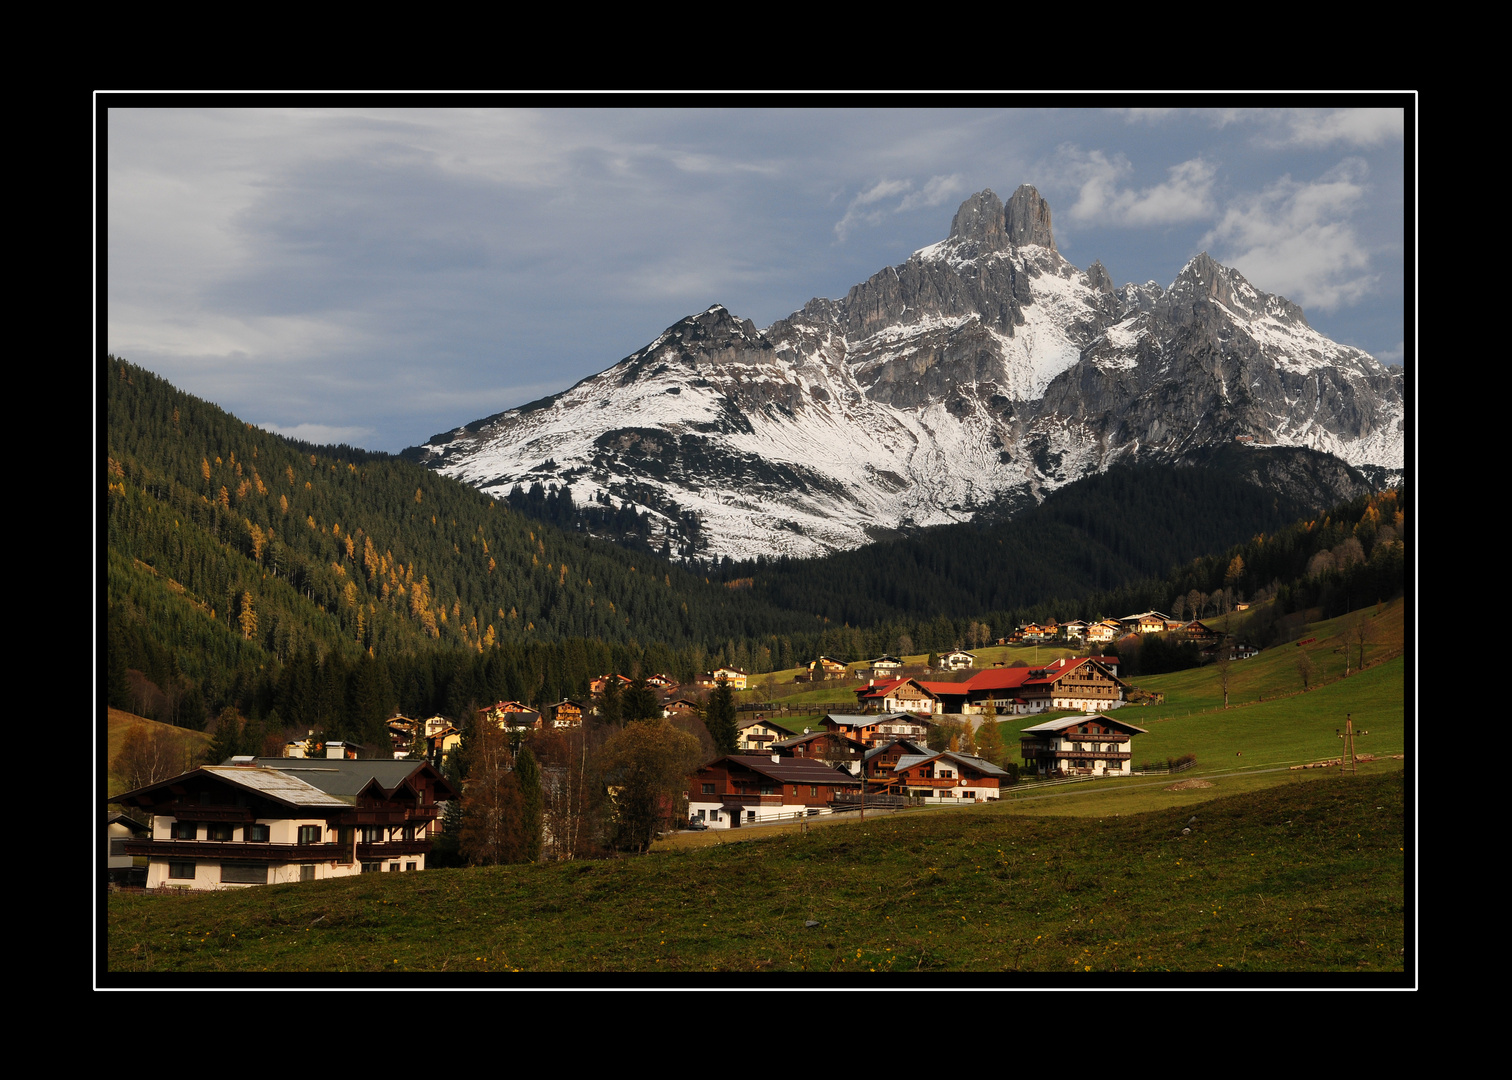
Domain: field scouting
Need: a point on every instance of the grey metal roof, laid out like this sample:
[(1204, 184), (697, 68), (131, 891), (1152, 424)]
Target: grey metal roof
[(274, 783), (1051, 726), (908, 761), (793, 770), (974, 762), (344, 778)]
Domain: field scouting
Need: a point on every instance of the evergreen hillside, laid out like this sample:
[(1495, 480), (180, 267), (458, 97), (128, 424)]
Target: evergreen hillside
[(326, 586), (230, 547), (1089, 541)]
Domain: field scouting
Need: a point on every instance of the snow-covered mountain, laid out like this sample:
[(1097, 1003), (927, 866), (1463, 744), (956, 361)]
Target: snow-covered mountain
[(985, 367)]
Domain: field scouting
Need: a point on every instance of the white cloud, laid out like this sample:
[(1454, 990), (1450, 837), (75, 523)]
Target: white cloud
[(322, 433), (1144, 116), (936, 190), (1355, 127), (1184, 196), (1295, 238)]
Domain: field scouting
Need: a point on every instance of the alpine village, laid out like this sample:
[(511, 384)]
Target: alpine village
[(324, 663), (365, 715)]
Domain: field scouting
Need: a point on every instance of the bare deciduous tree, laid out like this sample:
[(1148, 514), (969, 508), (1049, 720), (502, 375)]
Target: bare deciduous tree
[(151, 753), (1305, 667)]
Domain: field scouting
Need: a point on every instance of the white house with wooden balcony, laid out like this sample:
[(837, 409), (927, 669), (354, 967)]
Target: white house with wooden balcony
[(1094, 745), (271, 820), (756, 736)]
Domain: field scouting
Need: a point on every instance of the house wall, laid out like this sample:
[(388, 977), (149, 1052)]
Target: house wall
[(116, 831)]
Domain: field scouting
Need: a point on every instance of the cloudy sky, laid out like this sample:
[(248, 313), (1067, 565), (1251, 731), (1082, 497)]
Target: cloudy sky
[(376, 275)]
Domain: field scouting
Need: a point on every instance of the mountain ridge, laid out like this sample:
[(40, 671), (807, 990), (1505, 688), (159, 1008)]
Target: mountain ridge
[(984, 368)]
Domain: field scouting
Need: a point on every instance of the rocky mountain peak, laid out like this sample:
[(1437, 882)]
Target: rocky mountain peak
[(980, 219), (982, 372), (1028, 218)]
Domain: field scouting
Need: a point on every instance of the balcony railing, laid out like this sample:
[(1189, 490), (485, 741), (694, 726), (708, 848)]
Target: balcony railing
[(389, 815), (193, 812), (393, 848), (237, 851), (749, 800)]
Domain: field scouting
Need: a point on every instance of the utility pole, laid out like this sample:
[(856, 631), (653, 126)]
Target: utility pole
[(1348, 754)]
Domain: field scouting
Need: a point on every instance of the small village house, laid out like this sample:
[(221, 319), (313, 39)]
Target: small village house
[(746, 789)]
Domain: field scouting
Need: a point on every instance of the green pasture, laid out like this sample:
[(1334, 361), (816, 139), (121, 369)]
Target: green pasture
[(1308, 876)]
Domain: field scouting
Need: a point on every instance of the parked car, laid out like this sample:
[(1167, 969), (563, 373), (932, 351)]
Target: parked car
[(695, 825)]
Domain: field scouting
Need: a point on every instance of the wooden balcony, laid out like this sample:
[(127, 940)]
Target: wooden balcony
[(392, 849), (240, 852), (734, 800), (219, 814), (388, 815)]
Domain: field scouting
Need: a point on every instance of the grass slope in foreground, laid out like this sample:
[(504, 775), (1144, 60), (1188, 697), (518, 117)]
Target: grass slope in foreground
[(1306, 876)]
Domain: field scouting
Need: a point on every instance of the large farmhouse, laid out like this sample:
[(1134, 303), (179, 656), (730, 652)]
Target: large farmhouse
[(1085, 683), (269, 820), (1094, 745)]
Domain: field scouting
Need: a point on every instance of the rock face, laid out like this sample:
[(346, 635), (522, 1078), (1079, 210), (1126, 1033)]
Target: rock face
[(986, 369)]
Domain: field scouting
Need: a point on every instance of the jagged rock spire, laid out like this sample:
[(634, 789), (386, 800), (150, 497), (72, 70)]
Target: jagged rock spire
[(1028, 219), (980, 218)]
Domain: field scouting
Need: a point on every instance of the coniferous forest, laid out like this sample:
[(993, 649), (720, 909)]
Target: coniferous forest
[(325, 587)]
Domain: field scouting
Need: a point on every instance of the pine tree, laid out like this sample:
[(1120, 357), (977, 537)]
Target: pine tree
[(528, 778), (719, 718), (989, 737), (491, 805)]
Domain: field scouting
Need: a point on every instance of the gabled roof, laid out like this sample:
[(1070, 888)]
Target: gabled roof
[(799, 740), (971, 761), (759, 720), (1016, 678), (274, 784), (128, 822), (790, 770), (872, 721), (882, 689), (347, 779), (1050, 727), (913, 747)]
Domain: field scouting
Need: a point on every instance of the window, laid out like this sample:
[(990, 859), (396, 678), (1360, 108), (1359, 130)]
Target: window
[(372, 834), (309, 834), (708, 789), (371, 867), (409, 866), (183, 870), (185, 830), (218, 832), (118, 845), (813, 791), (750, 815), (393, 868), (244, 873), (307, 872), (256, 834)]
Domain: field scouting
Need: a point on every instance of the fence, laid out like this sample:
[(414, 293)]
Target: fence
[(817, 708)]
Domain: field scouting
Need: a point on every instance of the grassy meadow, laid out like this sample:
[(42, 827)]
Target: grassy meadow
[(1282, 871), (1307, 876)]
